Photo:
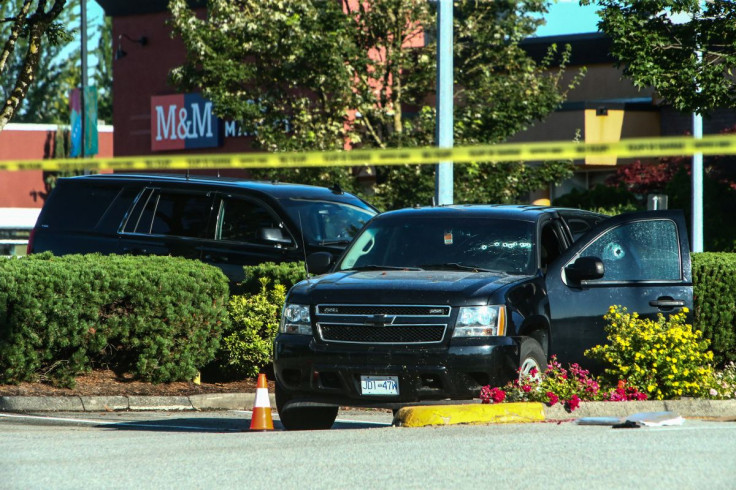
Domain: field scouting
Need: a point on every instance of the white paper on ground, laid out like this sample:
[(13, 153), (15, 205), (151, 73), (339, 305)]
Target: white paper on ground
[(656, 419)]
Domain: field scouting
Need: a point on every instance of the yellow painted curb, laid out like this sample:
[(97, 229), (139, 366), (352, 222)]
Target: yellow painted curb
[(500, 413)]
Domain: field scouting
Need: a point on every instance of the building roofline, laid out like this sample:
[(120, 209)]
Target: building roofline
[(115, 8)]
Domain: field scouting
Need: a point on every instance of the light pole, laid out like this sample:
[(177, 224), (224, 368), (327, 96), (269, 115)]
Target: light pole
[(82, 98), (697, 169), (445, 81)]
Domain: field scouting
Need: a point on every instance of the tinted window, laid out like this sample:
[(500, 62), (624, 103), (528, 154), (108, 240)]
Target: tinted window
[(327, 222), (171, 213), (244, 220), (77, 207), (440, 243), (639, 251)]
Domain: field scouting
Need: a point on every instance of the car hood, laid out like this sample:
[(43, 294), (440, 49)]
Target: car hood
[(401, 287)]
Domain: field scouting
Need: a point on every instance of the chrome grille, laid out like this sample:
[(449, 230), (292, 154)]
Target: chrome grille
[(397, 310), (390, 334), (382, 324)]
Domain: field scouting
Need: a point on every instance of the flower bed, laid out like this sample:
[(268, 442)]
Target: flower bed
[(646, 359)]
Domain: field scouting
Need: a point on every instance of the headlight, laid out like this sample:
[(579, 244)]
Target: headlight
[(480, 321), (295, 319)]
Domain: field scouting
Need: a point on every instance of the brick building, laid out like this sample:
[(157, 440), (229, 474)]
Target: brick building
[(22, 193)]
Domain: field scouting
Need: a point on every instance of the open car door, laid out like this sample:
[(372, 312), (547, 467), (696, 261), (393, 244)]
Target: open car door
[(637, 260)]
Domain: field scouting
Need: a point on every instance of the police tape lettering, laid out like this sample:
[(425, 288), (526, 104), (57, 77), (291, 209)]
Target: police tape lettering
[(631, 148)]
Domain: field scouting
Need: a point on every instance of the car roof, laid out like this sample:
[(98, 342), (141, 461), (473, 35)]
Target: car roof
[(521, 212), (277, 190)]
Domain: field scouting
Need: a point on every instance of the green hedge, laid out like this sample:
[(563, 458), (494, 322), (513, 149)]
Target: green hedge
[(286, 273), (714, 278), (157, 318), (247, 344)]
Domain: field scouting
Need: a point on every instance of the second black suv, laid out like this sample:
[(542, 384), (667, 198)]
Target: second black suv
[(222, 221), (431, 304)]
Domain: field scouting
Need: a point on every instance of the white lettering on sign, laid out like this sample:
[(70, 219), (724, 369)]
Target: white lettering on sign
[(190, 124), (200, 122), (165, 123), (234, 129)]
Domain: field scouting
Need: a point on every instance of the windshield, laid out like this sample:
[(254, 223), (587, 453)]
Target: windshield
[(327, 222), (442, 244)]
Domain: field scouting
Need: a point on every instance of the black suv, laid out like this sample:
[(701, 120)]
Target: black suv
[(222, 221), (432, 304)]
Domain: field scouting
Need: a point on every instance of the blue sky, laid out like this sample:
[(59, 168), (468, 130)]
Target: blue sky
[(568, 17)]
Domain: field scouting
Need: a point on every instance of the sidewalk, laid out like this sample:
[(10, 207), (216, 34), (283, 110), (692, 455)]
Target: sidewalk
[(414, 416)]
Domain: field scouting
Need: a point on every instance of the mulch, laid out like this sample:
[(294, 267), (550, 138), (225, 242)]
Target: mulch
[(103, 382)]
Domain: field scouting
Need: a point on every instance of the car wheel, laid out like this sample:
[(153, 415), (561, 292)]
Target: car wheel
[(532, 356), (303, 418)]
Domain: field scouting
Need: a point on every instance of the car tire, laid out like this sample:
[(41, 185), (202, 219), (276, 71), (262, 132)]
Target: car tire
[(531, 356), (303, 418)]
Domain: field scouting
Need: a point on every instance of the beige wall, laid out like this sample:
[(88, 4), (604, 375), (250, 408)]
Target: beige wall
[(604, 82)]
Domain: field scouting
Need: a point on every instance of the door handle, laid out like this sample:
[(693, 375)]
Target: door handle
[(666, 303)]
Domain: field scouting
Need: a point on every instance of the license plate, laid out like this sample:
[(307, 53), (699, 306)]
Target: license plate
[(379, 385)]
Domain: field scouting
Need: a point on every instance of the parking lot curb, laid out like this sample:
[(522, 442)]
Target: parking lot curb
[(204, 402), (410, 416), (501, 413)]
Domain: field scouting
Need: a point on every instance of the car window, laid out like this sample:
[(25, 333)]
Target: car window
[(244, 220), (638, 251), (442, 244), (161, 212), (75, 206), (327, 222)]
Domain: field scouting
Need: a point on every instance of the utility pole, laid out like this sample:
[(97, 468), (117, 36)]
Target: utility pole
[(697, 170), (445, 91), (83, 34)]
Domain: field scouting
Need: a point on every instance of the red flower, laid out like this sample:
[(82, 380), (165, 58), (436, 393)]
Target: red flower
[(488, 394), (526, 388), (572, 403), (485, 394), (553, 399), (498, 395)]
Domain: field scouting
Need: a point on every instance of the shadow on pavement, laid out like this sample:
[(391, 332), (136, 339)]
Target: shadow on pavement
[(220, 425)]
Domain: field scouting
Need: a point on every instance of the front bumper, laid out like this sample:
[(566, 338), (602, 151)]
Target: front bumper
[(315, 373)]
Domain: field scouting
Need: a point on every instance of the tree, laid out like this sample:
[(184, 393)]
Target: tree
[(28, 26), (684, 49), (323, 75)]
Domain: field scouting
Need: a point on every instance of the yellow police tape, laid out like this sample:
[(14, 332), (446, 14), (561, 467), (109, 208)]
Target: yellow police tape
[(635, 147)]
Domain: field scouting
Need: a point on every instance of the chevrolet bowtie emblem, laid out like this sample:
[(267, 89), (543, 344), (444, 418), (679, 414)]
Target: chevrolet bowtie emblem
[(380, 320)]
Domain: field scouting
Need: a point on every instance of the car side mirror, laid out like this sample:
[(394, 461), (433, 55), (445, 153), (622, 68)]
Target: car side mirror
[(273, 235), (319, 262), (585, 269)]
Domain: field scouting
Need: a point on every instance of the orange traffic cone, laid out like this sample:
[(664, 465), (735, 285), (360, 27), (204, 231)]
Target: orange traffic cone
[(261, 418)]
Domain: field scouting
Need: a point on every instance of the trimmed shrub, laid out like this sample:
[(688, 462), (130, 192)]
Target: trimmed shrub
[(157, 318), (247, 347), (286, 273), (714, 289)]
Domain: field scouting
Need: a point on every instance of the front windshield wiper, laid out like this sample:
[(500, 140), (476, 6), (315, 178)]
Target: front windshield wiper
[(374, 267), (455, 266)]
